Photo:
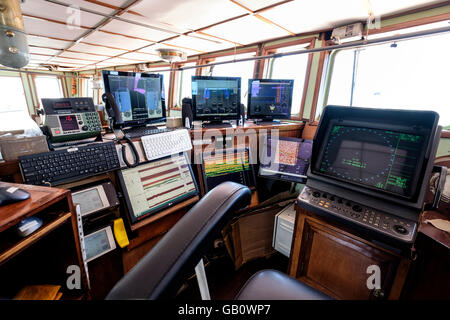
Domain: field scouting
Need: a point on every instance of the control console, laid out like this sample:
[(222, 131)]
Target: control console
[(71, 119), (390, 225)]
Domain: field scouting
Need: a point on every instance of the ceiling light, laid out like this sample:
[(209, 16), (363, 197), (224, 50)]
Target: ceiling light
[(172, 55)]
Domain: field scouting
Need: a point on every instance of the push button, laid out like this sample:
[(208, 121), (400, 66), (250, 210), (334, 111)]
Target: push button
[(400, 229)]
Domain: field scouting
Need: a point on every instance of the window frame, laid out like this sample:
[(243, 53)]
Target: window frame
[(272, 49), (389, 28)]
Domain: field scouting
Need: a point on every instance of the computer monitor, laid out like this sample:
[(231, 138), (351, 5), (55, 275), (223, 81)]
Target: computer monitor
[(139, 96), (269, 99), (285, 159), (216, 98), (387, 154), (157, 185), (230, 165)]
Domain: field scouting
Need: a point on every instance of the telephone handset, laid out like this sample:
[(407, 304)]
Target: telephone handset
[(112, 109), (117, 122)]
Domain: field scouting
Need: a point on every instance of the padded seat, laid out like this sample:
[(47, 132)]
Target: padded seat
[(275, 285)]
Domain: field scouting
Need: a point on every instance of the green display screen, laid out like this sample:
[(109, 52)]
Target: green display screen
[(383, 159)]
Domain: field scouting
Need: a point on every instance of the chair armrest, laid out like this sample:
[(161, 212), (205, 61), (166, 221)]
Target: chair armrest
[(164, 268)]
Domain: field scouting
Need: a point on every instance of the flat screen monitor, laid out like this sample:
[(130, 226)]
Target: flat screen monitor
[(216, 98), (269, 99), (157, 185), (286, 159), (139, 96), (230, 165)]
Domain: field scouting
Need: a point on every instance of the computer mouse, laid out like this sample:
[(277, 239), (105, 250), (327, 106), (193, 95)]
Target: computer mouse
[(12, 194), (28, 225)]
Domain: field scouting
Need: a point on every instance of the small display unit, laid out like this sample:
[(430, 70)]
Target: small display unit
[(269, 99), (139, 97), (286, 159), (216, 99), (95, 198), (154, 186), (230, 165), (98, 243), (67, 119)]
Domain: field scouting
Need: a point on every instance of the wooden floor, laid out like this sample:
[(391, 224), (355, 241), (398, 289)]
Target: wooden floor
[(225, 282)]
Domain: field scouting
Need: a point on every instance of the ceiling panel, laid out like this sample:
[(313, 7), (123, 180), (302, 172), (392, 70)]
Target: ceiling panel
[(246, 30), (141, 56), (298, 17), (72, 61), (258, 4), (49, 10), (43, 50), (152, 49), (46, 42), (136, 31), (96, 49), (118, 61), (82, 56), (115, 40), (186, 14), (35, 57), (45, 28), (198, 45)]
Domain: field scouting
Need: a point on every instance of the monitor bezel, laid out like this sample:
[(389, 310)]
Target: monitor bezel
[(140, 122), (197, 117), (131, 216), (251, 115), (235, 150)]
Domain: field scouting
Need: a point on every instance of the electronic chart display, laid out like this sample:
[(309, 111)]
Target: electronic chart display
[(286, 159), (269, 99), (381, 159), (231, 165), (216, 98), (138, 96), (154, 186)]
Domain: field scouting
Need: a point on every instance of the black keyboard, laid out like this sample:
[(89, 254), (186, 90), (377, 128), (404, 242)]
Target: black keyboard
[(138, 132), (63, 166)]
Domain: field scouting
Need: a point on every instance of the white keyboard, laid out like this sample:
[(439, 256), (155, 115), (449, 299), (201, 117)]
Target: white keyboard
[(167, 143)]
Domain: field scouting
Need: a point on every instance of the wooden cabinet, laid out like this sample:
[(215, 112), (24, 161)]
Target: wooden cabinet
[(335, 261)]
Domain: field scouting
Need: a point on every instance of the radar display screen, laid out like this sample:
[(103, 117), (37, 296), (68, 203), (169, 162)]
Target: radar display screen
[(269, 98), (381, 159)]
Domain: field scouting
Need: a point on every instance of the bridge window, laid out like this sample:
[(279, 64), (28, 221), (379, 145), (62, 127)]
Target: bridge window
[(291, 67), (13, 96), (48, 87), (244, 70), (409, 74)]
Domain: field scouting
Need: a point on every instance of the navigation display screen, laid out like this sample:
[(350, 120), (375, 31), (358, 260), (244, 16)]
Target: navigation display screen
[(381, 159), (154, 186), (232, 165), (69, 122), (138, 96), (286, 159), (216, 97), (270, 98)]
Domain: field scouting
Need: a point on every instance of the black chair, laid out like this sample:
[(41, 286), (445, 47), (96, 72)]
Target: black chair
[(164, 269)]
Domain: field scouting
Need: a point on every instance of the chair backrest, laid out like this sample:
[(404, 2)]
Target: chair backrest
[(164, 268)]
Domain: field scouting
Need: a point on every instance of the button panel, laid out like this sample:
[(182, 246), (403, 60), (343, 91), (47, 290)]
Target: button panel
[(374, 219)]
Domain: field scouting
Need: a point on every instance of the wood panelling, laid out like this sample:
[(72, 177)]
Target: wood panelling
[(336, 261)]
